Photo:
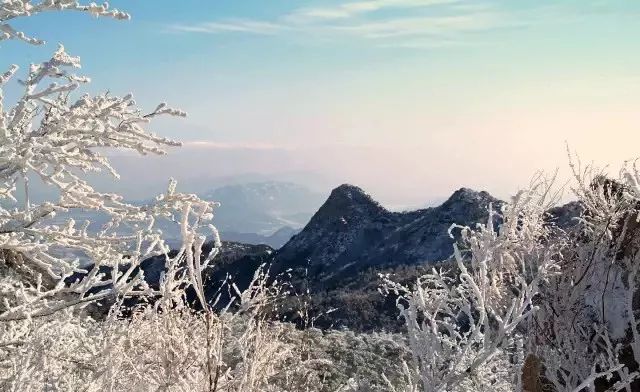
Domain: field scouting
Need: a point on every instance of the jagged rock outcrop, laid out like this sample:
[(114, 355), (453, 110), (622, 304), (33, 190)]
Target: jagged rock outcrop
[(351, 233), (352, 238)]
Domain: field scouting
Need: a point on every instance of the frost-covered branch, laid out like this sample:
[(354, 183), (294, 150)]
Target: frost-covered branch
[(463, 325), (14, 9), (52, 135)]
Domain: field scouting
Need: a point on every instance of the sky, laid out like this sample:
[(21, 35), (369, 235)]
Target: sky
[(410, 99)]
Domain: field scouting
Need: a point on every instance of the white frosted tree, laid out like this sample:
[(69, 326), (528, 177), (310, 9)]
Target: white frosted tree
[(52, 135), (588, 315), (50, 272), (463, 325), (531, 301), (13, 9)]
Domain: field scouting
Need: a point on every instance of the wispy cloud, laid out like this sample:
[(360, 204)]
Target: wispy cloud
[(430, 21), (416, 26), (358, 8), (235, 25), (426, 24)]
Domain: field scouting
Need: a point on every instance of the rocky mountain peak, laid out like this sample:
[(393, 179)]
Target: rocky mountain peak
[(347, 201), (469, 196), (350, 194), (351, 232)]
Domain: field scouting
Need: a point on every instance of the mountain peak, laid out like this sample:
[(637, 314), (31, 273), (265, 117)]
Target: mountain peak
[(352, 233), (349, 199), (468, 195), (349, 191), (346, 206)]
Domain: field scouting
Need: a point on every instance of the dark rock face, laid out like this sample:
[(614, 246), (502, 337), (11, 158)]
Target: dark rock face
[(351, 233), (352, 239)]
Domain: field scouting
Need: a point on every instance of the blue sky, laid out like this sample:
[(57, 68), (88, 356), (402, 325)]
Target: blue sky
[(397, 92)]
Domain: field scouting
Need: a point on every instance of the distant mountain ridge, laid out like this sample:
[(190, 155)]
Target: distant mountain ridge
[(268, 212), (275, 240), (263, 207)]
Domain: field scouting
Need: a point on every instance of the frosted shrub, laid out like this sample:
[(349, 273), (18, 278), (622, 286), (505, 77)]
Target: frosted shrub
[(51, 136), (463, 326), (180, 350), (172, 351), (533, 306), (588, 316)]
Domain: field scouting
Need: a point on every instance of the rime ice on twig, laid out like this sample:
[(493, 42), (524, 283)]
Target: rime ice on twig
[(52, 135), (12, 9)]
